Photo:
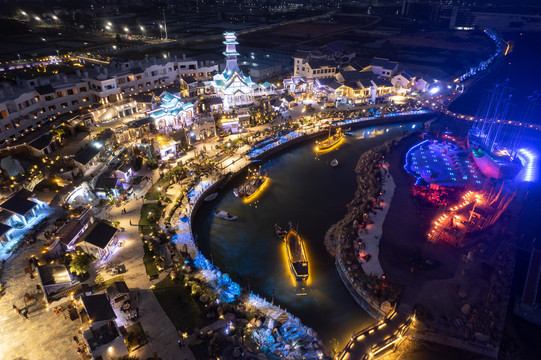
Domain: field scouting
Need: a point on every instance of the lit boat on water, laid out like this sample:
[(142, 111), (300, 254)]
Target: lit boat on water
[(252, 187), (298, 262), (331, 141), (222, 214)]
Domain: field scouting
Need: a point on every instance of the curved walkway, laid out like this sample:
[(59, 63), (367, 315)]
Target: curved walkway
[(372, 234)]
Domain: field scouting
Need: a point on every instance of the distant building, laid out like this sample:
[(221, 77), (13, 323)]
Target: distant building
[(452, 17), (235, 88), (87, 157), (32, 101), (313, 68), (323, 62), (171, 113), (383, 67)]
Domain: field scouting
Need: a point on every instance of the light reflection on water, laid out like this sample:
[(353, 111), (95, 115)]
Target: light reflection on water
[(305, 188)]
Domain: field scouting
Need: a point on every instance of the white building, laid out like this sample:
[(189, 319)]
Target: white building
[(383, 67), (34, 100), (235, 88)]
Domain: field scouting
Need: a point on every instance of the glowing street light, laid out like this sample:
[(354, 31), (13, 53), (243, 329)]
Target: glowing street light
[(126, 29), (37, 18), (23, 13), (55, 18)]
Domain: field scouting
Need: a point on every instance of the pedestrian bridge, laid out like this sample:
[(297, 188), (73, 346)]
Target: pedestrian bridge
[(379, 338)]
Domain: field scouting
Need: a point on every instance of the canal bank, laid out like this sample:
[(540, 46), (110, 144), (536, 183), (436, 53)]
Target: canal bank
[(251, 253)]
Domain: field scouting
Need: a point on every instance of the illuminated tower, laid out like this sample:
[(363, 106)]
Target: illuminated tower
[(231, 53)]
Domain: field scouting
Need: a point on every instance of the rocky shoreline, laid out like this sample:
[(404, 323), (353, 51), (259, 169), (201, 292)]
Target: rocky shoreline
[(373, 294)]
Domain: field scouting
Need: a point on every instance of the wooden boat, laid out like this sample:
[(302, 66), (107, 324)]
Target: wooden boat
[(252, 186), (222, 214), (334, 163), (331, 141), (298, 262), (211, 197)]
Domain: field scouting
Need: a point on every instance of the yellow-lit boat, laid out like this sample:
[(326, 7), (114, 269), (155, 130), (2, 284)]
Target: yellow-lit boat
[(331, 141), (298, 262)]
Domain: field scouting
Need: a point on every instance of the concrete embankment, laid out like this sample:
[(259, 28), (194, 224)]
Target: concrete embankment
[(356, 292), (380, 121)]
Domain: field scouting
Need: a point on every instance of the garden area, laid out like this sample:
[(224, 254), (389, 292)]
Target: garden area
[(151, 260), (135, 337), (150, 213), (181, 300)]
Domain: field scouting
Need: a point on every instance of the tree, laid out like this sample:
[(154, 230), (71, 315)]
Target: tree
[(80, 264), (99, 280), (152, 164)]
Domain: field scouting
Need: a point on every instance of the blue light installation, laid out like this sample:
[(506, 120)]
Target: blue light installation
[(528, 159)]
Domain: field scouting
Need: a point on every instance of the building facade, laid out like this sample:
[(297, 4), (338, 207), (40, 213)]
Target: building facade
[(31, 102)]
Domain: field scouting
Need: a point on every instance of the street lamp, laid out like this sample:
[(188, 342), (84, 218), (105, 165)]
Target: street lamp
[(23, 13), (126, 29), (37, 18), (54, 18), (142, 30), (161, 28)]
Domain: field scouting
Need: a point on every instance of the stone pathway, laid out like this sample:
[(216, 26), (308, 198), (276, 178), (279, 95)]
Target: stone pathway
[(161, 334), (44, 335)]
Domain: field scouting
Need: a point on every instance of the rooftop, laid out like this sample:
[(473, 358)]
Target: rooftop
[(384, 63), (18, 205), (98, 307), (74, 290), (42, 142), (99, 234), (4, 229), (135, 124), (117, 288), (85, 155), (52, 274)]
